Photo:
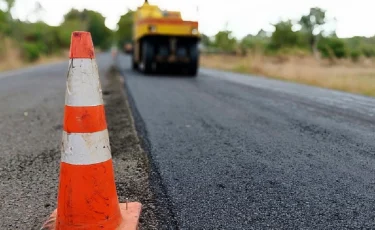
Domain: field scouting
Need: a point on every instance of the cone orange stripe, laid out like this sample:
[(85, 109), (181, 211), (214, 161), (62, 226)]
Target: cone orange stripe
[(84, 119), (87, 197), (81, 45)]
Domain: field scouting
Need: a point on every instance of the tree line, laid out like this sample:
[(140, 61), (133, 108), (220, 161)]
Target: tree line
[(36, 39), (310, 38)]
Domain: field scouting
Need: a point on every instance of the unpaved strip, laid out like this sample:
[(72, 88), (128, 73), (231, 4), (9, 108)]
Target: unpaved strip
[(164, 206), (130, 161)]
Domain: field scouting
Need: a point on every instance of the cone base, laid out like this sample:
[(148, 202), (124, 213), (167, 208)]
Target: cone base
[(130, 214)]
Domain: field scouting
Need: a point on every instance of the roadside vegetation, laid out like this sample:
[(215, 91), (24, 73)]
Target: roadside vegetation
[(23, 43), (299, 51)]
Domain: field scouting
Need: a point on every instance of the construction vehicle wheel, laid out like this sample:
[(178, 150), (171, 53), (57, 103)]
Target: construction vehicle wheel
[(193, 70), (193, 66), (147, 56)]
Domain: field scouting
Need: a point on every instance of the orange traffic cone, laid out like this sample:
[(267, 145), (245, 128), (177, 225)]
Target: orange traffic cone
[(87, 197)]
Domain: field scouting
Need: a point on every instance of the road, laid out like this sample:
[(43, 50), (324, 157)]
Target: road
[(31, 114), (31, 103), (241, 152), (228, 151)]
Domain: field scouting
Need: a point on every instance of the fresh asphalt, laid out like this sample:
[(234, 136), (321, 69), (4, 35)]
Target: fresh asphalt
[(240, 152), (230, 151)]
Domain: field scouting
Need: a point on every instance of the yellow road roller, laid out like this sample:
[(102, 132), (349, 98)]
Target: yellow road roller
[(162, 40)]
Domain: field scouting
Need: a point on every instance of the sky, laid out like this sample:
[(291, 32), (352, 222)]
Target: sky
[(353, 18)]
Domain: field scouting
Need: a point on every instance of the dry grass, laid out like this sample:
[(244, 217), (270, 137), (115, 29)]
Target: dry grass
[(10, 57), (341, 75)]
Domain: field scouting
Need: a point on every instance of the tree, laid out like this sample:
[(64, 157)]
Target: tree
[(101, 35), (255, 41), (332, 47), (10, 4), (3, 30), (6, 17), (205, 40), (125, 28), (3, 23), (225, 41), (65, 30), (283, 36), (74, 14), (88, 20), (247, 42), (262, 34), (312, 26)]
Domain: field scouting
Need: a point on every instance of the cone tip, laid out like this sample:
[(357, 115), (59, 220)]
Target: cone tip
[(81, 45)]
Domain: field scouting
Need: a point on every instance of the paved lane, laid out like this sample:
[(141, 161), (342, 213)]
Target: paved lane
[(239, 152)]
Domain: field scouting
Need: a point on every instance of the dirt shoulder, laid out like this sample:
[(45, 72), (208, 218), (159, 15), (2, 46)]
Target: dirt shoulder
[(133, 170)]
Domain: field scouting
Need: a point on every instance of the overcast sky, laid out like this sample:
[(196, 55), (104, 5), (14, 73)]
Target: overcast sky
[(241, 16)]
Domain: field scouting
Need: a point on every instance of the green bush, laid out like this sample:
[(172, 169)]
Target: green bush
[(368, 51), (333, 47), (64, 32), (355, 55), (31, 52), (3, 23), (283, 36)]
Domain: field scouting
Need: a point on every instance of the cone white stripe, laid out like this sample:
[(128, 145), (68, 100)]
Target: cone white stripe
[(85, 148), (83, 84)]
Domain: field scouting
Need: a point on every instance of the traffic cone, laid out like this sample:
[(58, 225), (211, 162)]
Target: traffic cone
[(87, 197)]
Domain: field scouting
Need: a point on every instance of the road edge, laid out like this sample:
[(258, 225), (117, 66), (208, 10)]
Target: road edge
[(166, 215), (130, 161)]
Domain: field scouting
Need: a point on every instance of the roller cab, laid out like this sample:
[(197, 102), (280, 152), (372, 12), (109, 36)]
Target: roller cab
[(162, 40)]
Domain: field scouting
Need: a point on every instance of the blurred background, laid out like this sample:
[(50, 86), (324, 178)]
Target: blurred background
[(324, 43)]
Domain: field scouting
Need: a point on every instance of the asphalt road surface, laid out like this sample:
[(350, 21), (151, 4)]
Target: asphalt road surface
[(241, 152), (229, 151), (31, 102)]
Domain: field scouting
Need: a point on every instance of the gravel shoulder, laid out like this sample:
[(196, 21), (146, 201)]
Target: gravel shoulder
[(133, 168)]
